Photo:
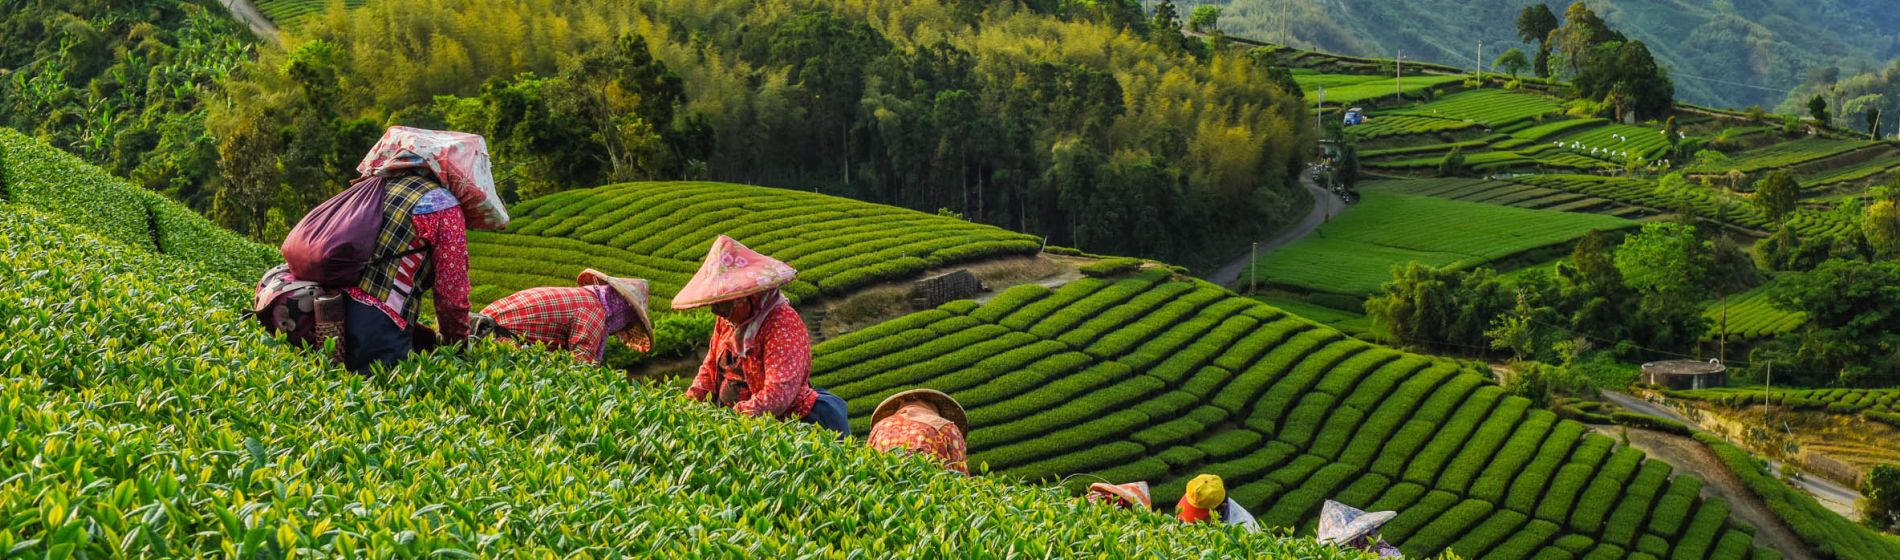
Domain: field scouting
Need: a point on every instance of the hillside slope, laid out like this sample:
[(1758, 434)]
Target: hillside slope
[(1771, 44), (1151, 378), (148, 417)]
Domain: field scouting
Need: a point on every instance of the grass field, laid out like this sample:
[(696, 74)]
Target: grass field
[(1354, 254), (1348, 89), (1151, 378)]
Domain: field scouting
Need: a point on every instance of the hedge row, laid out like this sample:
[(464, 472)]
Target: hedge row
[(1111, 267), (1484, 444), (1428, 464), (1121, 342), (1517, 451), (1632, 513), (1136, 314), (1165, 345), (1051, 394), (1074, 314), (1830, 535), (1202, 351)]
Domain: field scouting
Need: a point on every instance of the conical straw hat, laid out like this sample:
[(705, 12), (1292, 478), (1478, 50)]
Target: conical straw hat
[(635, 291), (731, 271)]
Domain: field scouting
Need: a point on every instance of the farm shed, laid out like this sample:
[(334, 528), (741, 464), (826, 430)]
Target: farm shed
[(1686, 374)]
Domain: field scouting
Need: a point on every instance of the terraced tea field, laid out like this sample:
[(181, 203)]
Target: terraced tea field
[(1348, 89), (175, 428), (1506, 193), (1617, 143), (1752, 315), (1152, 378), (1783, 154), (660, 231), (1355, 253), (287, 12), (1490, 108), (1706, 203)]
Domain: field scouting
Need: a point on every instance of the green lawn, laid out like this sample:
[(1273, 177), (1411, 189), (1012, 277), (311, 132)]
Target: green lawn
[(1356, 252)]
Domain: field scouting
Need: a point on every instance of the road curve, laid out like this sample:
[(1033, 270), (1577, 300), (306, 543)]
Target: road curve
[(1325, 205), (1840, 499)]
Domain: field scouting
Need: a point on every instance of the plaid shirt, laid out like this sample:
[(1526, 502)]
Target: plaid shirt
[(572, 319), (392, 285)]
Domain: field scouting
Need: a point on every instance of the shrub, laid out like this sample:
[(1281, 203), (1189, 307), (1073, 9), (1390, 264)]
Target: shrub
[(1673, 508), (1063, 320), (1273, 369), (1111, 267), (1483, 445), (1826, 533), (1411, 519), (926, 364), (1280, 397), (1035, 311), (1649, 422), (1489, 534), (1337, 432), (1512, 456), (1651, 546), (1305, 420), (1700, 536), (1135, 313), (1229, 444), (1018, 382), (1632, 513), (1398, 497), (1601, 494), (1176, 457), (1167, 344), (1167, 405), (1056, 393), (1446, 528), (1011, 300), (1120, 343), (960, 307), (1733, 544), (1526, 542), (1340, 380), (1304, 501), (1056, 459), (1258, 341), (1296, 471), (1086, 435), (1364, 490), (1532, 483), (1425, 463), (1042, 422), (1391, 460), (1881, 487)]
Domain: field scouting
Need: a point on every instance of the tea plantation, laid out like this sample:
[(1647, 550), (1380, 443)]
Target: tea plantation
[(1355, 253), (1151, 378), (660, 231), (145, 416), (287, 12)]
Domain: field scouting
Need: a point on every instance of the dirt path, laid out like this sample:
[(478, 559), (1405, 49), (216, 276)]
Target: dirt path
[(1325, 205), (247, 12), (1691, 457), (1835, 497)]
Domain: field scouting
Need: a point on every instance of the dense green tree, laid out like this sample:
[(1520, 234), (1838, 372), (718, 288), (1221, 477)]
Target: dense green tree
[(1817, 109), (1776, 194), (1205, 19), (1881, 491), (1440, 309), (1853, 329), (1881, 227), (1512, 62), (1534, 25), (1666, 260), (1454, 163)]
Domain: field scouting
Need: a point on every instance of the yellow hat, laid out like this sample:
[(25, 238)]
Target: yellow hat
[(1206, 491)]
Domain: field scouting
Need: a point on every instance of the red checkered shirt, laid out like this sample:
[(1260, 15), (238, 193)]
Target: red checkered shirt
[(570, 319)]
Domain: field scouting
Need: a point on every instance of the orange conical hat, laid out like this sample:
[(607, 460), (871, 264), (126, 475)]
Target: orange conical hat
[(732, 271)]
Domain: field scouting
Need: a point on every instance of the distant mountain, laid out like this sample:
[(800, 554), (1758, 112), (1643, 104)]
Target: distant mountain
[(1728, 53)]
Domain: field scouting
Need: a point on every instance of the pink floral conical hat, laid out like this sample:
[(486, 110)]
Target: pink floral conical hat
[(732, 271)]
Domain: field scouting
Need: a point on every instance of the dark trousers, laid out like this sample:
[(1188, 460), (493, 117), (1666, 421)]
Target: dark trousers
[(828, 412), (371, 337)]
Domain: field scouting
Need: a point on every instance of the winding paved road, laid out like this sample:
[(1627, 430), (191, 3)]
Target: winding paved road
[(1840, 499), (1325, 205)]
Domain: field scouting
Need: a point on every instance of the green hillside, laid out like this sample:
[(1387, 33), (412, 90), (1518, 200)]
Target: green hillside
[(1355, 252), (1151, 378), (1769, 45), (175, 428)]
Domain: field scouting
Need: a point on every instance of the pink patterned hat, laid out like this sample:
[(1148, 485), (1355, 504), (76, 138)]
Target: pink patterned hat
[(732, 271)]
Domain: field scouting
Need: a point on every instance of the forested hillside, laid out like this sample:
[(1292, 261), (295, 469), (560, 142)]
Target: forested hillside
[(1069, 121), (1771, 44)]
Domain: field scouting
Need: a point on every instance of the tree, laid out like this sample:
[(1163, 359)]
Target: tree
[(1534, 25), (1167, 19), (1853, 330), (1817, 108), (1873, 122), (1777, 194), (1880, 507), (1665, 259), (1673, 133), (1881, 226), (1513, 61), (1205, 19), (1595, 260), (1453, 164)]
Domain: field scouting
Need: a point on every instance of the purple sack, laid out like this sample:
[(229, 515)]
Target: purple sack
[(334, 243)]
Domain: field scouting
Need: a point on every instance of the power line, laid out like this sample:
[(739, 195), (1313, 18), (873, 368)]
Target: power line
[(1673, 73)]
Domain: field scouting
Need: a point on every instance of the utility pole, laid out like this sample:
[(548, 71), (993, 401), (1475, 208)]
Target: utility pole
[(1481, 62), (1319, 115), (1721, 346), (1398, 79), (1283, 16)]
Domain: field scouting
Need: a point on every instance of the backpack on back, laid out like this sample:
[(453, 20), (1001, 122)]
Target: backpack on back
[(333, 244)]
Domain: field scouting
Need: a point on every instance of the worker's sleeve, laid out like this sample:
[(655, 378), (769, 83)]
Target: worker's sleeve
[(704, 383), (447, 234), (787, 366), (953, 450), (588, 333)]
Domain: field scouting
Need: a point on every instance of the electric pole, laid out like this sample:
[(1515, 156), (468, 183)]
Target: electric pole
[(1253, 270), (1480, 62), (1398, 78), (1721, 346)]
